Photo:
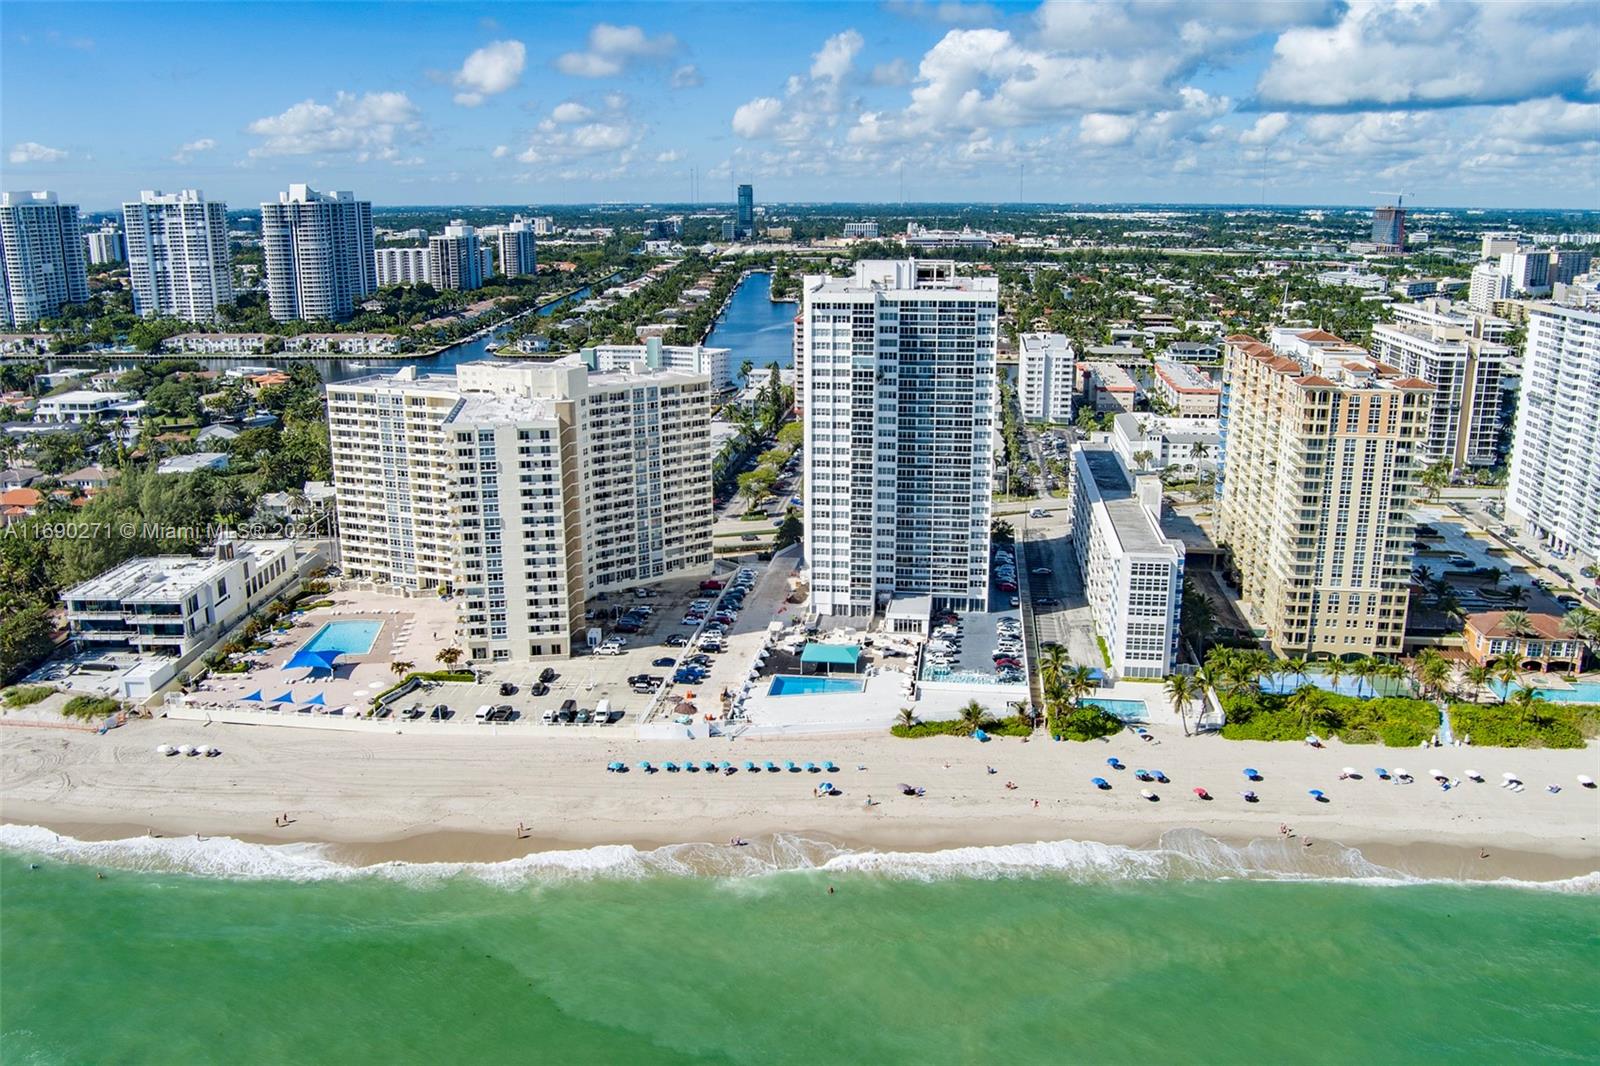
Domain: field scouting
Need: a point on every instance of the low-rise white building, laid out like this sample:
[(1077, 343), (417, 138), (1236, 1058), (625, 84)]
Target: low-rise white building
[(193, 463), (1045, 382), (1132, 573), (690, 358), (1189, 390), (82, 405), (1188, 444)]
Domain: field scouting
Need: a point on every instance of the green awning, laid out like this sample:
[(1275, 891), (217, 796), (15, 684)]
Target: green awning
[(831, 654)]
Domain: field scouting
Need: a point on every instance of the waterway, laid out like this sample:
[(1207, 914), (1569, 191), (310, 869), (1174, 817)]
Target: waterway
[(753, 327)]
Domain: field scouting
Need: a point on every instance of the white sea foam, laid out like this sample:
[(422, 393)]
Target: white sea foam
[(1183, 855)]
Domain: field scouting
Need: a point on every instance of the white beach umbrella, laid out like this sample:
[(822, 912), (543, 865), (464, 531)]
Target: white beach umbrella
[(1509, 776), (1436, 774), (1585, 780), (1474, 775), (1351, 770)]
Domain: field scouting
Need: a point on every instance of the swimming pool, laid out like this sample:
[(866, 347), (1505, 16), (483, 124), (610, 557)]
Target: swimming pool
[(1125, 710), (1581, 692), (792, 685), (346, 638)]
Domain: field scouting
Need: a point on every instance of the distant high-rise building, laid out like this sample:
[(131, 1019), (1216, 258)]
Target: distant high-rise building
[(900, 397), (1461, 356), (745, 226), (1554, 487), (454, 258), (1323, 468), (318, 249), (106, 245), (863, 230), (1045, 377), (1389, 228), (41, 256), (519, 248), (178, 257), (403, 266)]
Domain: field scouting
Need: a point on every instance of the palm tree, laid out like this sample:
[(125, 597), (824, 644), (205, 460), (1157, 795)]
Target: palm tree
[(744, 372), (972, 716), (1333, 670), (1080, 682), (1053, 660), (1181, 688), (1478, 675), (1253, 666), (1431, 670), (1583, 624), (1297, 667), (400, 668), (907, 717), (1507, 667), (1518, 622), (1366, 670), (1308, 705), (1519, 595), (448, 657), (1142, 458), (1526, 704)]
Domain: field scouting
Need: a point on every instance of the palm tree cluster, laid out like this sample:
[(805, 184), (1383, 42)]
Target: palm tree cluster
[(1064, 685)]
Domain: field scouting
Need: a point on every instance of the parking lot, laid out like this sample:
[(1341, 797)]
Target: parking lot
[(1060, 608), (589, 678)]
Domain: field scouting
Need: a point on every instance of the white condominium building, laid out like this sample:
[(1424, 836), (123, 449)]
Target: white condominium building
[(318, 250), (403, 266), (690, 358), (1452, 351), (178, 257), (41, 257), (519, 248), (455, 258), (1045, 381), (1323, 461), (525, 487), (1132, 574), (1554, 489), (106, 245), (900, 396)]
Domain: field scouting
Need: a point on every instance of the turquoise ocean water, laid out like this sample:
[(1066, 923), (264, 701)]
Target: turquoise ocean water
[(217, 951)]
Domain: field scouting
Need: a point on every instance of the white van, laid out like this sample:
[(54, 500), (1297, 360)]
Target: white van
[(548, 718), (482, 713)]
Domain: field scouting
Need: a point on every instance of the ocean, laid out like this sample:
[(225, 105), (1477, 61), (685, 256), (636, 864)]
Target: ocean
[(221, 951)]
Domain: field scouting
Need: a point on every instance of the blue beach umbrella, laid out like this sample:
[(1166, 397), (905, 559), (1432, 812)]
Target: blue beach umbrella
[(830, 767), (772, 767), (692, 766), (285, 698), (811, 767), (645, 765), (1383, 775), (1252, 773), (752, 767), (256, 695), (790, 766), (980, 735), (1099, 782), (827, 788), (317, 701), (725, 766), (709, 766), (1317, 795), (1114, 763), (671, 767)]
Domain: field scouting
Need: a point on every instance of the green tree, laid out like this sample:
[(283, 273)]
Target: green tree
[(25, 636), (448, 657), (972, 716), (1181, 690)]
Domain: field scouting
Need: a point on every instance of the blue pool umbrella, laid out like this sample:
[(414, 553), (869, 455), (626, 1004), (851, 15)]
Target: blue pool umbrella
[(256, 695), (317, 701), (748, 765), (285, 698), (312, 660), (1099, 782)]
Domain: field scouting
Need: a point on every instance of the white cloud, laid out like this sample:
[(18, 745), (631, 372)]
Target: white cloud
[(687, 77), (34, 152), (500, 151), (190, 149), (570, 111), (489, 71), (1106, 130), (758, 117), (834, 61), (1423, 53), (367, 125), (894, 72), (950, 11), (612, 48), (1267, 129), (670, 156)]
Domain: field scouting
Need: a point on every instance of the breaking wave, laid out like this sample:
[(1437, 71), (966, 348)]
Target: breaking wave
[(1181, 855)]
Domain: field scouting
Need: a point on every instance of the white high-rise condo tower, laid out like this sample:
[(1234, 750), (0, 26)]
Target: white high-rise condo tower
[(899, 381), (519, 248), (455, 258), (178, 256), (1045, 377), (318, 248), (1554, 488), (41, 257)]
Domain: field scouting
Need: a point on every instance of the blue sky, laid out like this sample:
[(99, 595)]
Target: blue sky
[(1284, 101)]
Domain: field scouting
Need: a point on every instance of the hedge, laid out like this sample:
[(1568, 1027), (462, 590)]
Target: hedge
[(90, 707), (955, 727), (1086, 722), (426, 675), (1395, 722), (1549, 725)]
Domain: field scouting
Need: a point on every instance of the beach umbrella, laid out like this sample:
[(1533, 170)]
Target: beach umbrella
[(317, 701), (752, 767), (692, 767), (1317, 795), (709, 766), (772, 767), (1100, 783), (1437, 775), (1114, 763), (1474, 775), (789, 765), (1349, 771), (645, 765), (166, 749), (726, 766), (1509, 776), (1249, 796), (1586, 781), (1147, 794), (1252, 773), (1159, 776), (256, 696), (830, 767), (671, 767), (811, 767), (285, 698), (1399, 771), (827, 788), (979, 735), (1202, 793)]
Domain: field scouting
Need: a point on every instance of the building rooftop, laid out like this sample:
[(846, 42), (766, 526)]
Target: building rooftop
[(1540, 626), (1134, 525), (1055, 344), (1186, 378), (165, 578)]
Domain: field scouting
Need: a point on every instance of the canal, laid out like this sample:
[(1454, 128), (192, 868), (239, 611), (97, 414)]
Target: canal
[(753, 327)]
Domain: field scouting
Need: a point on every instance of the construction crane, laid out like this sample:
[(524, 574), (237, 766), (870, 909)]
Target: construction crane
[(1399, 197)]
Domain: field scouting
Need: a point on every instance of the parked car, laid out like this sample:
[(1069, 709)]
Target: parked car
[(609, 649), (711, 584), (665, 660), (548, 674), (441, 713), (540, 688), (507, 689), (1047, 601), (676, 640)]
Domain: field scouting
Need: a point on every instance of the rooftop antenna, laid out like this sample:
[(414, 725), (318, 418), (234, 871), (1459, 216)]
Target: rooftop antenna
[(1021, 169)]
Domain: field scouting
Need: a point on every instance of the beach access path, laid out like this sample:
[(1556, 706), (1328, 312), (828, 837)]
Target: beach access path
[(361, 788)]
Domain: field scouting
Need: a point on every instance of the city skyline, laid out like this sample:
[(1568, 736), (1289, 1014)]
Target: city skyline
[(1280, 103)]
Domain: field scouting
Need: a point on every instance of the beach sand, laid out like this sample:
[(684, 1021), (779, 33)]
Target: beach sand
[(409, 797)]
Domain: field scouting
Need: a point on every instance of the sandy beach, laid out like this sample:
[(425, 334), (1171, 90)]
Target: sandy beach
[(416, 798)]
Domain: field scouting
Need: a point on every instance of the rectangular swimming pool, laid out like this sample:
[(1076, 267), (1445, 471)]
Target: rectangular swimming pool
[(792, 685), (1580, 692), (1126, 710), (346, 638)]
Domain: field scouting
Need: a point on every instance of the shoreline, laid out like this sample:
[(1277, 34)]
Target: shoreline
[(369, 798)]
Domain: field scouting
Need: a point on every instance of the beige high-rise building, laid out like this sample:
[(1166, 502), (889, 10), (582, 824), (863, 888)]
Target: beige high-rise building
[(525, 487), (1321, 458)]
